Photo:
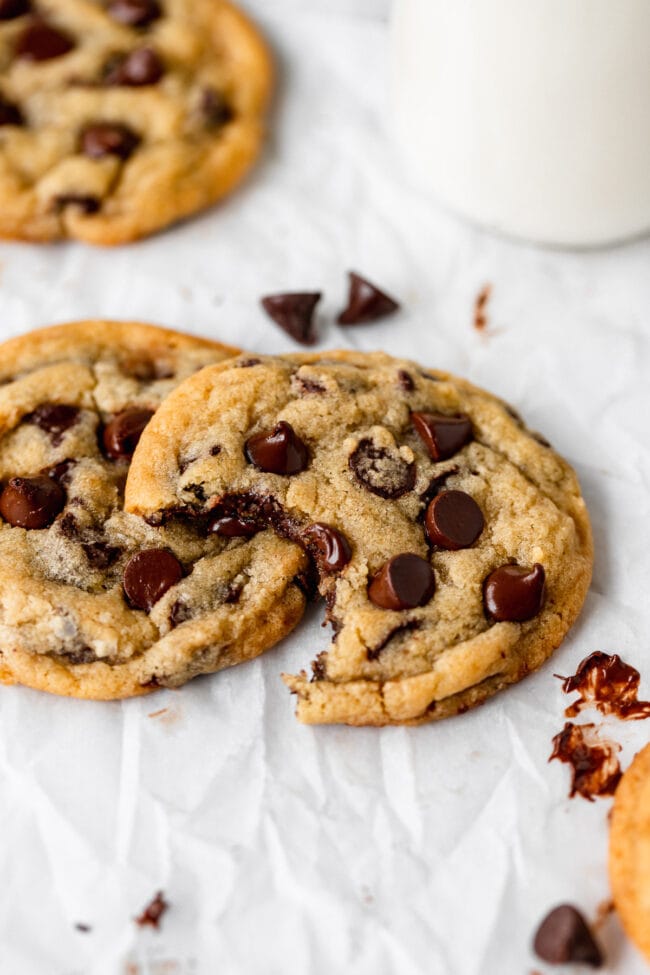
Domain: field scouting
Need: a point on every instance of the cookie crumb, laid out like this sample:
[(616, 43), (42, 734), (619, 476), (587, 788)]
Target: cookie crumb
[(480, 305), (157, 714)]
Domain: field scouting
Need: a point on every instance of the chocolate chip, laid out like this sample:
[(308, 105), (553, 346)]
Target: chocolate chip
[(215, 109), (305, 386), (153, 912), (513, 593), (137, 69), (69, 527), (277, 451), (382, 470), (83, 928), (215, 450), (144, 369), (60, 472), (100, 555), (10, 114), (54, 419), (563, 936), (39, 41), (10, 9), (108, 139), (230, 526), (82, 655), (198, 490), (83, 202), (121, 435), (405, 381), (443, 436), (329, 547), (148, 575), (453, 520), (294, 313), (31, 502), (404, 582), (179, 613), (366, 303), (247, 363), (134, 13)]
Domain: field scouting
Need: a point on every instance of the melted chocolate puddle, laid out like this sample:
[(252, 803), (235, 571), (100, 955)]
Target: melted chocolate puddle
[(606, 682), (596, 770)]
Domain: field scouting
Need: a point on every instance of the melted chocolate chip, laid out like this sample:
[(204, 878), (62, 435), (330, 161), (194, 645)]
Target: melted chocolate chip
[(100, 555), (319, 667), (215, 109), (120, 437), (405, 381), (134, 13), (513, 593), (382, 470), (278, 451), (39, 41), (69, 527), (31, 502), (443, 436), (307, 582), (54, 419), (60, 472), (179, 613), (306, 386), (564, 937), (437, 484), (108, 139), (606, 682), (153, 912), (10, 114), (247, 362), (404, 582), (148, 575), (294, 313), (366, 303), (231, 526), (83, 655), (328, 546), (595, 768), (146, 370), (407, 627), (453, 520), (135, 70), (83, 202), (10, 9)]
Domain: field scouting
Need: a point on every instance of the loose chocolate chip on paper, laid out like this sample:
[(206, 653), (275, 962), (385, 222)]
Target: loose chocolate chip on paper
[(453, 520), (278, 451), (513, 593), (134, 13), (135, 70), (10, 9), (10, 114), (329, 547), (108, 139), (294, 313), (54, 419), (382, 470), (366, 302), (148, 575), (31, 502), (564, 937), (404, 582), (443, 436), (153, 912), (121, 435), (39, 41)]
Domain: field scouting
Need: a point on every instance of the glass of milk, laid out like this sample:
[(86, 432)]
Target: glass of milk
[(531, 117)]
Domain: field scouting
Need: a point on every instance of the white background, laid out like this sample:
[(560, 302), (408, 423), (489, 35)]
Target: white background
[(284, 849)]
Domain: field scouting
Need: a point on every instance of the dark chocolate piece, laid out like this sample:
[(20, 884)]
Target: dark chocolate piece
[(108, 139), (404, 582), (513, 593), (148, 575), (134, 13), (121, 435), (453, 520), (154, 911), (10, 114), (443, 436), (54, 419), (278, 451), (328, 546), (564, 937), (39, 41), (31, 502), (294, 313), (136, 69), (381, 470), (10, 9), (366, 302), (216, 110)]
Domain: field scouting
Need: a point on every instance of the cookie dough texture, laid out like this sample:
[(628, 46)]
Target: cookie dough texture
[(370, 477), (198, 127), (65, 624), (629, 851)]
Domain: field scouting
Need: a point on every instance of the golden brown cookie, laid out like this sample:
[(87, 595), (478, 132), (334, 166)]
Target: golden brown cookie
[(96, 603), (452, 545), (119, 117), (629, 851)]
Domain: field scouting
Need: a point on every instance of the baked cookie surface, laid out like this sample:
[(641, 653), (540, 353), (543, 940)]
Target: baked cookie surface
[(453, 546), (119, 117), (93, 602), (629, 851)]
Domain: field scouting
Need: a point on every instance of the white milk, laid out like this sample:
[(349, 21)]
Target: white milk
[(530, 116)]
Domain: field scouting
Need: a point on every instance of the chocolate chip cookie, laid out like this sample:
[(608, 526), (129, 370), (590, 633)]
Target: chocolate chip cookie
[(119, 117), (452, 545), (629, 851), (94, 602)]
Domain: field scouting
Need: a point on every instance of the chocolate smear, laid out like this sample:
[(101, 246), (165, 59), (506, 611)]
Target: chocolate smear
[(606, 682), (480, 305), (596, 770)]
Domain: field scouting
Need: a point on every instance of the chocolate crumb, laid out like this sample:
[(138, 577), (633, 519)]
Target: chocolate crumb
[(480, 305), (153, 912), (84, 928)]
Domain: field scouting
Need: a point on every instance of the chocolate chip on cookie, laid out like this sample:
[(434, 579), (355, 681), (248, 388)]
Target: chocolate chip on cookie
[(294, 313), (31, 502), (231, 526), (366, 302), (108, 139), (134, 13), (54, 418), (278, 451), (443, 436), (148, 575), (382, 470), (328, 545), (404, 582), (564, 937), (10, 9), (215, 109), (120, 436), (453, 520), (513, 593), (137, 69), (83, 202), (10, 114), (39, 41)]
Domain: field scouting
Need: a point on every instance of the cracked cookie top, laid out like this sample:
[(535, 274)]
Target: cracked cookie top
[(451, 544), (118, 117), (91, 599)]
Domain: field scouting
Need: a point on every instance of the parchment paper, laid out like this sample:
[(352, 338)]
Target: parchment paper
[(284, 849)]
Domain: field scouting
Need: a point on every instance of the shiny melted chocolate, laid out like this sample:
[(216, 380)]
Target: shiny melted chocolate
[(606, 682), (596, 770)]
